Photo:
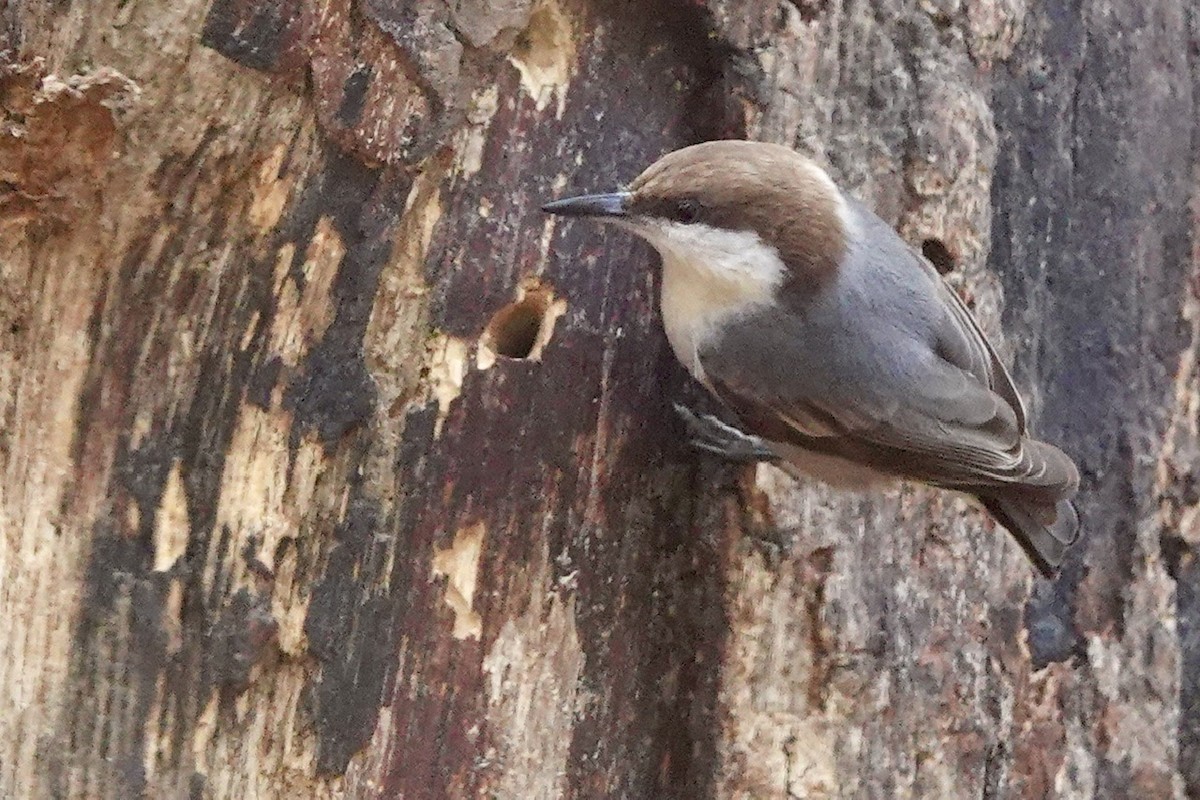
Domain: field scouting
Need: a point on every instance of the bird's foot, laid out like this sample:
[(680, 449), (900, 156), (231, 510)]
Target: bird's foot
[(707, 433)]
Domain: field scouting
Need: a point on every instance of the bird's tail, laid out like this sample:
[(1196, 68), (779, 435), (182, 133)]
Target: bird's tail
[(1044, 530)]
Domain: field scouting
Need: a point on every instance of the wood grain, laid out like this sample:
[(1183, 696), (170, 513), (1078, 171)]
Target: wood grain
[(279, 521)]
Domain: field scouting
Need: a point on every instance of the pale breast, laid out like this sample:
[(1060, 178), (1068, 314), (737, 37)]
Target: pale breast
[(709, 276), (690, 313)]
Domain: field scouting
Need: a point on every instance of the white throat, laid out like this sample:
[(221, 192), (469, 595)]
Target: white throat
[(710, 275)]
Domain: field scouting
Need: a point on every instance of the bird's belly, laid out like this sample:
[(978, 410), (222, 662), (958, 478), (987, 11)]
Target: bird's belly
[(832, 470)]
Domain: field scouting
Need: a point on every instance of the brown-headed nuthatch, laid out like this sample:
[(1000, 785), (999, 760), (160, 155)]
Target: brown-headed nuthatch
[(835, 344)]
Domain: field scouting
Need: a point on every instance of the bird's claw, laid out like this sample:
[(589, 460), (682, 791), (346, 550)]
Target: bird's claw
[(711, 435)]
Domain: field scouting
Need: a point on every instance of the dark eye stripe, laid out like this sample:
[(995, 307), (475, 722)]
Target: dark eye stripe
[(685, 210)]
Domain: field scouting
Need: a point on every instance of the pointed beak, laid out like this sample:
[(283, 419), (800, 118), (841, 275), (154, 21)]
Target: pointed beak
[(591, 205)]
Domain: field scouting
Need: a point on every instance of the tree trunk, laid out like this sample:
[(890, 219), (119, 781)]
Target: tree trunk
[(332, 468)]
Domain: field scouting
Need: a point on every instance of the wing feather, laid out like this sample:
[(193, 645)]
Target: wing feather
[(909, 443), (917, 392), (964, 345)]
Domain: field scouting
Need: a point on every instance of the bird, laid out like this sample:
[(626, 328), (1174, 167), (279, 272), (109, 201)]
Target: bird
[(837, 349)]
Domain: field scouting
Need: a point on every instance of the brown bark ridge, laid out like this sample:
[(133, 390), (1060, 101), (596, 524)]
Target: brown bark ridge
[(331, 468)]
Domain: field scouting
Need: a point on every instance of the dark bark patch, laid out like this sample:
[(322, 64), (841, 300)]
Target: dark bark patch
[(243, 637), (123, 600), (332, 392), (1187, 600), (354, 95), (263, 381), (350, 628), (253, 35)]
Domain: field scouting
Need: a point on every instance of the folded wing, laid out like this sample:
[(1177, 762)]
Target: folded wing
[(948, 416)]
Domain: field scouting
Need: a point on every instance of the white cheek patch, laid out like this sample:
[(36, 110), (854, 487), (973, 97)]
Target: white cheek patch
[(739, 260)]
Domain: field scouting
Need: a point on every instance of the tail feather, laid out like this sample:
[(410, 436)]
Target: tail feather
[(1044, 531)]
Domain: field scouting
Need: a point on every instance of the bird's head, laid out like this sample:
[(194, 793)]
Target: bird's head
[(728, 197)]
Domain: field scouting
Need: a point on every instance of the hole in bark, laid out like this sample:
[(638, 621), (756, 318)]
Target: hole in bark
[(938, 254), (521, 329), (514, 329), (810, 10), (1177, 554)]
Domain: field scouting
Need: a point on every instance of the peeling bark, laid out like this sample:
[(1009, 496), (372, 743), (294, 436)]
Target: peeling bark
[(332, 468)]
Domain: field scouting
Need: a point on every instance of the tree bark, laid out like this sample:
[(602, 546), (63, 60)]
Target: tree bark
[(332, 468)]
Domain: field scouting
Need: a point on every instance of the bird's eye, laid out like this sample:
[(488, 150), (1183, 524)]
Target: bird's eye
[(688, 211)]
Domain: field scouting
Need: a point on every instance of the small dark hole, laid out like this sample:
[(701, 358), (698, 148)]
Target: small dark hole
[(939, 255), (513, 332), (810, 10), (1177, 554)]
